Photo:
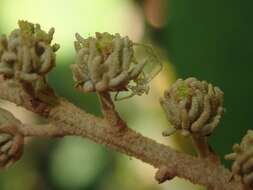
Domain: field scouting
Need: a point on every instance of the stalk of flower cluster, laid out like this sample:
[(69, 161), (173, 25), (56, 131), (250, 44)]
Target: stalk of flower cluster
[(194, 108)]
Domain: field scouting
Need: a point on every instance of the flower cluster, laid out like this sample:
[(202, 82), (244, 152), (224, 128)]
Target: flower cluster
[(11, 143), (243, 158), (107, 63), (193, 106), (26, 54)]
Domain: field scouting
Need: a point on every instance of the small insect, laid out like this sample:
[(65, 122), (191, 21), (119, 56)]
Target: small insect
[(144, 77)]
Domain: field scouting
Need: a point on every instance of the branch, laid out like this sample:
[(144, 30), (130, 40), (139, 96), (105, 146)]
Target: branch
[(67, 119)]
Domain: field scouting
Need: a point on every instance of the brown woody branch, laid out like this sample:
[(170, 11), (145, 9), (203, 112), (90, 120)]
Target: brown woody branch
[(67, 119)]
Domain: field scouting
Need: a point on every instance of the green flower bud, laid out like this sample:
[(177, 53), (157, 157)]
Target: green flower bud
[(193, 106)]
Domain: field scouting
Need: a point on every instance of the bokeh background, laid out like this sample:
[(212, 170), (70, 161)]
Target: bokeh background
[(210, 40)]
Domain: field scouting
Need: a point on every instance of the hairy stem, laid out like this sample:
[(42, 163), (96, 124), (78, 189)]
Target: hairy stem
[(109, 111), (67, 119), (204, 150)]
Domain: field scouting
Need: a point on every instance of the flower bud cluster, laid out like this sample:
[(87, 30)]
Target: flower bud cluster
[(11, 142), (243, 158), (107, 63), (193, 106), (26, 54)]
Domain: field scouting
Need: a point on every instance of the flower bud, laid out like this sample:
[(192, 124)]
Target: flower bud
[(193, 106), (107, 63), (243, 158), (26, 54), (11, 141), (11, 149)]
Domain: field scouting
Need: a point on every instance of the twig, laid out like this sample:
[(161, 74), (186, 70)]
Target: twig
[(109, 112), (204, 149), (67, 119)]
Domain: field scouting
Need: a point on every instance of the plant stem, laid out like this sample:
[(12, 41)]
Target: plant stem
[(67, 119), (204, 149), (109, 111)]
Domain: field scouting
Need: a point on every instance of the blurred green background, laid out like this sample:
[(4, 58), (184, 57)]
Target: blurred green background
[(210, 40)]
